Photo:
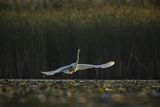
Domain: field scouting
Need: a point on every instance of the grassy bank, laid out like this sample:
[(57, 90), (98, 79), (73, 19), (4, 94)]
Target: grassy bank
[(87, 93), (31, 41)]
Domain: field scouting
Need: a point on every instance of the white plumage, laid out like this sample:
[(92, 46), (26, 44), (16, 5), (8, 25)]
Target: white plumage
[(70, 69)]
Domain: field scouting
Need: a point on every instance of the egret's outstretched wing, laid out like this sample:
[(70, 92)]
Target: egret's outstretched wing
[(62, 69), (87, 66)]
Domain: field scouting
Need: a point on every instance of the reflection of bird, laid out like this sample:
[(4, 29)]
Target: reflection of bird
[(70, 69)]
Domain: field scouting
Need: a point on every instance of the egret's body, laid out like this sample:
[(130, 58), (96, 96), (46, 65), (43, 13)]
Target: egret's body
[(72, 68)]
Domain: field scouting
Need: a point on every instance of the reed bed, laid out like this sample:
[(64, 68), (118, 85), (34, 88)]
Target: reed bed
[(34, 40)]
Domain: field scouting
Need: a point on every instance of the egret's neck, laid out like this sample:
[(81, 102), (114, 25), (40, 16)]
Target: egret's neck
[(78, 56)]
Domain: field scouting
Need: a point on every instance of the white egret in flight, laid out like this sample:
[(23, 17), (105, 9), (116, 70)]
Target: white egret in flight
[(72, 68)]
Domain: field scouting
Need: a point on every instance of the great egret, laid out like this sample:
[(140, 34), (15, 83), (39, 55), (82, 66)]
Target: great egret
[(72, 68)]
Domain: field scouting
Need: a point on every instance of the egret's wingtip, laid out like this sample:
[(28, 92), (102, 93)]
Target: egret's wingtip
[(44, 73), (112, 63)]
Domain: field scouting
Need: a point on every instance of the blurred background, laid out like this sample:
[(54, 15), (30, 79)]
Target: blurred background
[(42, 35)]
